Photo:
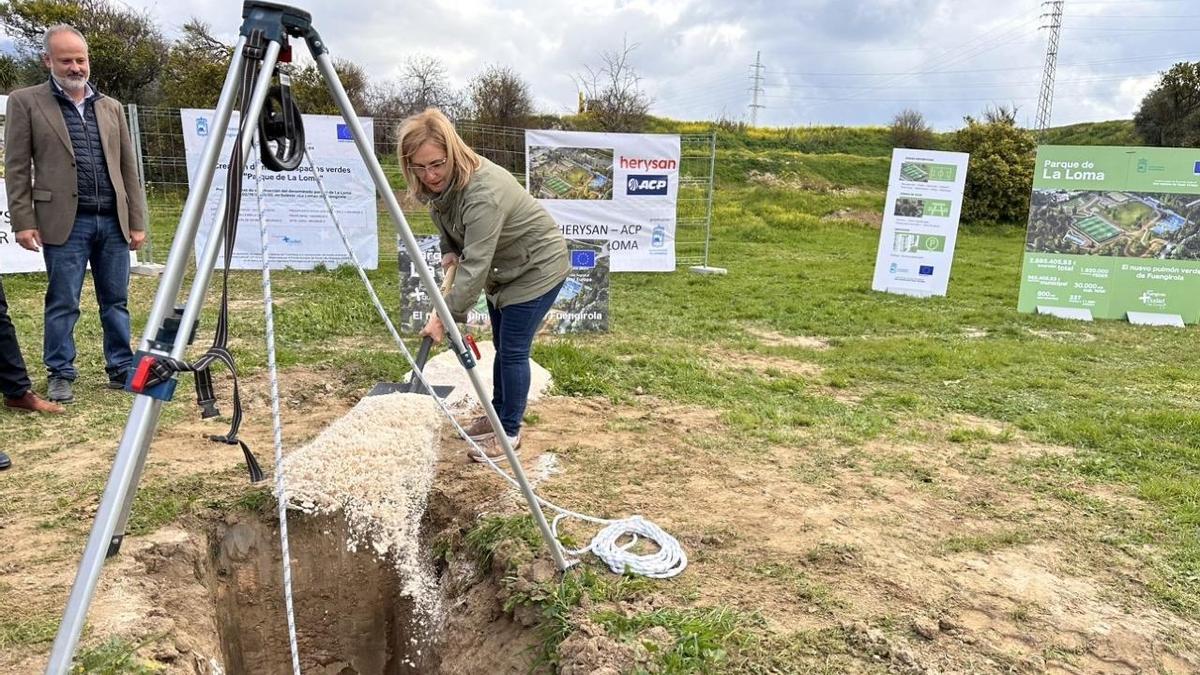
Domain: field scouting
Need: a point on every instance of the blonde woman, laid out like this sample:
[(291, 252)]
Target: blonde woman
[(504, 244)]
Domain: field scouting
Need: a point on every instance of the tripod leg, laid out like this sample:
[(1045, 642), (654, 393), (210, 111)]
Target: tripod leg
[(325, 64), (118, 536), (189, 220), (137, 431), (189, 225), (125, 475), (212, 247), (199, 284)]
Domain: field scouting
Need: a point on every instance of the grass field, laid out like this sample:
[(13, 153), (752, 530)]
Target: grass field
[(1096, 227), (1130, 215), (559, 186), (833, 443)]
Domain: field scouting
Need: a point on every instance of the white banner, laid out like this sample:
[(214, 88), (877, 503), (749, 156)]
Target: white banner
[(13, 258), (302, 234), (920, 222), (619, 188)]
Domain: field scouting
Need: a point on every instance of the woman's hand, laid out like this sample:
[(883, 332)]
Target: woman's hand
[(449, 260), (434, 328)]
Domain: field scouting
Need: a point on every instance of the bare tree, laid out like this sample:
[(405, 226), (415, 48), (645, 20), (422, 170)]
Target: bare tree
[(499, 96), (199, 38), (125, 45), (424, 85), (909, 130), (1004, 114), (613, 91), (195, 68)]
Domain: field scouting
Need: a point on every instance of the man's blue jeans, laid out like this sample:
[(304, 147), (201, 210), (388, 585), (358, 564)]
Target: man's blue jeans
[(513, 328), (95, 239)]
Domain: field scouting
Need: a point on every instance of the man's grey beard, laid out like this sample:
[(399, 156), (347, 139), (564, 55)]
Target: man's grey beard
[(72, 84)]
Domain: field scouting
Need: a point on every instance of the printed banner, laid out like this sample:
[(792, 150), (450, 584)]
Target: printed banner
[(618, 188), (302, 233), (13, 258), (920, 222), (581, 307), (1114, 230)]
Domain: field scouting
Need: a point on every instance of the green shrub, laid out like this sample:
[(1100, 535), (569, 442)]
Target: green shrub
[(1000, 174)]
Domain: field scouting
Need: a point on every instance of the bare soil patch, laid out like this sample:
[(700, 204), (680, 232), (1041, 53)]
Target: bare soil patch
[(932, 556), (772, 338)]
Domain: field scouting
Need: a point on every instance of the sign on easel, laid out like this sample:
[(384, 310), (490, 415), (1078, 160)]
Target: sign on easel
[(920, 222), (581, 305)]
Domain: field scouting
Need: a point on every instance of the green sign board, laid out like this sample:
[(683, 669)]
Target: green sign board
[(1114, 230)]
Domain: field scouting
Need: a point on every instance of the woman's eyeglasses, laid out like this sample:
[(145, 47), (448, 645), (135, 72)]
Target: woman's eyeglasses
[(434, 166)]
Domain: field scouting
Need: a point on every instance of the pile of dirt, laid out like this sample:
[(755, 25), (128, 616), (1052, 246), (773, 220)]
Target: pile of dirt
[(375, 465)]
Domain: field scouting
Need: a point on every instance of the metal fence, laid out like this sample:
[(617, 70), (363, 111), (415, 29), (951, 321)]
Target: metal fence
[(158, 140)]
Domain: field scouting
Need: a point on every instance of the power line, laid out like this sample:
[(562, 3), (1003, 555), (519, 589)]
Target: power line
[(909, 100), (1075, 29), (1117, 77), (972, 71), (996, 37)]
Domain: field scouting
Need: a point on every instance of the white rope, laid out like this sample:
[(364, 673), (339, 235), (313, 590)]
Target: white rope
[(669, 561), (276, 419)]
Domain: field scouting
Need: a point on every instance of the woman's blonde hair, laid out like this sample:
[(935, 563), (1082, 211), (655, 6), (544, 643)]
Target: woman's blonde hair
[(432, 126)]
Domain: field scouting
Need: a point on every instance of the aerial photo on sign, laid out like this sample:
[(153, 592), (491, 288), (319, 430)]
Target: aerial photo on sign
[(1115, 223), (570, 173)]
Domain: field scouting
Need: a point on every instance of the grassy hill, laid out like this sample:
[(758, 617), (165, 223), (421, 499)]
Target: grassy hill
[(1113, 132)]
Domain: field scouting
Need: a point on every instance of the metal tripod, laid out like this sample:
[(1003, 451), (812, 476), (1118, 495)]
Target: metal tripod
[(267, 25)]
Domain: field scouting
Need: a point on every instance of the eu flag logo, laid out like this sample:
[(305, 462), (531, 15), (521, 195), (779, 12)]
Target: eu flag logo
[(583, 259)]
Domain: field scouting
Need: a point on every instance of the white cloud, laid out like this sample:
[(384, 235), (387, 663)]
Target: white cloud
[(827, 61), (1132, 90)]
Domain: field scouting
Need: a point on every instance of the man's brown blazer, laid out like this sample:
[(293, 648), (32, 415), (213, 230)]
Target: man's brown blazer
[(39, 165)]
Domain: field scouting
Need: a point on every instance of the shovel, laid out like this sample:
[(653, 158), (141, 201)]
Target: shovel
[(414, 386)]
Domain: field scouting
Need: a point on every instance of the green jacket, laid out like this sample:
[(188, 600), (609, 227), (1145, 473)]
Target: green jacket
[(510, 247)]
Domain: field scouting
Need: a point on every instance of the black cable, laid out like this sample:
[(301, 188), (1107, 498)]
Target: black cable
[(281, 130)]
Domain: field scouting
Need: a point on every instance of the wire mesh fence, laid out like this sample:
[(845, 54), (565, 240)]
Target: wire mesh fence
[(160, 144)]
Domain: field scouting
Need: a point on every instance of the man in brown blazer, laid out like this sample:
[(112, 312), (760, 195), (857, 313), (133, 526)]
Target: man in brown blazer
[(73, 193)]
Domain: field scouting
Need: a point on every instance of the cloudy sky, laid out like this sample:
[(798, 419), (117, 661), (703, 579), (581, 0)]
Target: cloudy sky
[(824, 61)]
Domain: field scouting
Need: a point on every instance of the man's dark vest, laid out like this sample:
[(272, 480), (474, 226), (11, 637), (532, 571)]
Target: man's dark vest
[(96, 193)]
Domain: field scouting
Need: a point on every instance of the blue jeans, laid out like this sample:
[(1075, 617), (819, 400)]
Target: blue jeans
[(513, 328), (96, 239)]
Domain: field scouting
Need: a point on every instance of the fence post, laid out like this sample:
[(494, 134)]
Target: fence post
[(712, 184)]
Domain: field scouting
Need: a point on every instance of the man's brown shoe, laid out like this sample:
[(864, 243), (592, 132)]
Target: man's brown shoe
[(30, 402)]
